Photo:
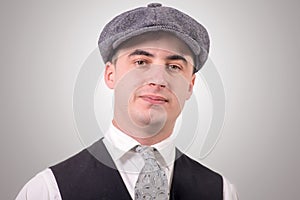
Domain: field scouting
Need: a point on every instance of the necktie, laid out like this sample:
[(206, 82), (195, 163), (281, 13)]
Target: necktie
[(152, 182)]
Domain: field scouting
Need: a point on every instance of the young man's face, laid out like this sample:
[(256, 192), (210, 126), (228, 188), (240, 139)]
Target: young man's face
[(152, 77)]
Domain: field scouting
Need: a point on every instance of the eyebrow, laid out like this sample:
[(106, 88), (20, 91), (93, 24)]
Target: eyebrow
[(177, 57), (141, 52), (145, 53)]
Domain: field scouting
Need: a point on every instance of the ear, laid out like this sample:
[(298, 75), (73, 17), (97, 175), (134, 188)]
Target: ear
[(109, 75), (191, 86)]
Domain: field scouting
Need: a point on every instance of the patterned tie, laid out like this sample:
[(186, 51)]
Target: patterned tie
[(152, 182)]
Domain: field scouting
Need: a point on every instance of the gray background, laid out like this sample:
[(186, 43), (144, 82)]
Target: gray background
[(255, 46)]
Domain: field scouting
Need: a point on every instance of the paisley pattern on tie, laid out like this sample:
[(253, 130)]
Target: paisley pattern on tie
[(152, 182)]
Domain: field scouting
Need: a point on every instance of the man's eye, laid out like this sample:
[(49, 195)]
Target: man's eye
[(174, 67), (140, 62)]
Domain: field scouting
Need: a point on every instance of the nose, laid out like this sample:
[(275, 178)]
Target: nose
[(159, 85), (157, 77)]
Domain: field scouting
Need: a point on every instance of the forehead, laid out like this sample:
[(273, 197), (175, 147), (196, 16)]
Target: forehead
[(155, 40)]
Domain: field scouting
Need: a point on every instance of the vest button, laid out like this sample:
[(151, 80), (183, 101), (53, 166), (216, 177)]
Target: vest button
[(154, 5)]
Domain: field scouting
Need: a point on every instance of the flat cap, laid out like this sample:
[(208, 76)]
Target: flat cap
[(155, 17)]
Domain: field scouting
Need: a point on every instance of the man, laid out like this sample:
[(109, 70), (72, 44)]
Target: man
[(152, 54)]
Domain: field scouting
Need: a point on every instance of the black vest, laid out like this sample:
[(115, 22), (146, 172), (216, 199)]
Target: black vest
[(84, 177)]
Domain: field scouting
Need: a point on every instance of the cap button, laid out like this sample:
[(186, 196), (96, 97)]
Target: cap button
[(154, 5)]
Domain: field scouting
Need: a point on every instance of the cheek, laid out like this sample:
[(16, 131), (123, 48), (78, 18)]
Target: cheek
[(126, 85), (179, 87)]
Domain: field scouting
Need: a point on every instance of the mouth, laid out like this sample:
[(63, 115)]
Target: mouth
[(154, 99)]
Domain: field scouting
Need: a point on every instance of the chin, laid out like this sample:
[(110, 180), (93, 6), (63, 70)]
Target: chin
[(150, 121)]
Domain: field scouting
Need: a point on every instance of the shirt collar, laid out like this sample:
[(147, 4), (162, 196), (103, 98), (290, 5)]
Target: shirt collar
[(120, 143), (166, 148)]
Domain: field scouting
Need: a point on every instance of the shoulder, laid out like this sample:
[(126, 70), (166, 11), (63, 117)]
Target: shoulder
[(76, 160), (229, 190), (43, 186), (95, 156), (187, 163)]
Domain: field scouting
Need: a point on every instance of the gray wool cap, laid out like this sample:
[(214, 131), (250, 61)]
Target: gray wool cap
[(155, 17)]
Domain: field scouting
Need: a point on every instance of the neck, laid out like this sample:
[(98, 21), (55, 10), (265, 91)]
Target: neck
[(147, 141)]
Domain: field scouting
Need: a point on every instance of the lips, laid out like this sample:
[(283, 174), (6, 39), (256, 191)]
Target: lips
[(154, 99)]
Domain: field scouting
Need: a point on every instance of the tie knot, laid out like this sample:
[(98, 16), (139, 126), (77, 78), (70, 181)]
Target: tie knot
[(146, 152)]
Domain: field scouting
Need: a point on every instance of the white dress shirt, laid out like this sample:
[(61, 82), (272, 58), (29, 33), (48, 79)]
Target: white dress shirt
[(129, 163)]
